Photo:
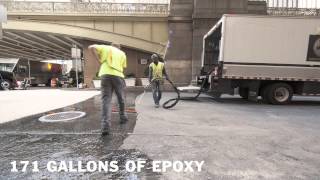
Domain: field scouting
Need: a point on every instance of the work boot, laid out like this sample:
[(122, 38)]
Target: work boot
[(105, 131), (157, 105), (123, 119)]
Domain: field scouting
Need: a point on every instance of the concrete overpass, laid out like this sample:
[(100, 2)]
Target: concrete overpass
[(47, 30)]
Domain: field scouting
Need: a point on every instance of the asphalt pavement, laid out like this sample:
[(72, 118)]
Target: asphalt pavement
[(236, 139)]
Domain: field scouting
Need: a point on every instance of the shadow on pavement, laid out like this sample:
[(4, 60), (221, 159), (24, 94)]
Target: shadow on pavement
[(298, 101)]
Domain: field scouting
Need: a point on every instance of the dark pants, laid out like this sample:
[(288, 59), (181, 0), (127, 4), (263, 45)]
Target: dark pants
[(109, 84), (156, 91)]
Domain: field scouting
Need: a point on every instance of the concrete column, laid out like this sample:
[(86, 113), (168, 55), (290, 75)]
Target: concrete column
[(179, 53), (257, 7)]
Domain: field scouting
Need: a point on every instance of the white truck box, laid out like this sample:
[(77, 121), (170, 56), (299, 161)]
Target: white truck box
[(270, 47), (267, 56)]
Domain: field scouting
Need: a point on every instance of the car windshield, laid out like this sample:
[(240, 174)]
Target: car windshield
[(6, 67)]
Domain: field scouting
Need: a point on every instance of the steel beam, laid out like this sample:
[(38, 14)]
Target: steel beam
[(67, 54), (73, 41), (21, 52), (25, 49), (7, 39), (17, 55), (47, 42), (59, 40)]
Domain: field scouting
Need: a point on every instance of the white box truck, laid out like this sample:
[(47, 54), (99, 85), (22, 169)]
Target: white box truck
[(267, 56)]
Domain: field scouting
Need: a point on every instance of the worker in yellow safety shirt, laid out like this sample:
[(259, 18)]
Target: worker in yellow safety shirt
[(113, 61), (156, 73)]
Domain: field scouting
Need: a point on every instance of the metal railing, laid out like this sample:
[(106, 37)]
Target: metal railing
[(91, 8), (126, 1), (302, 4), (293, 11), (292, 7)]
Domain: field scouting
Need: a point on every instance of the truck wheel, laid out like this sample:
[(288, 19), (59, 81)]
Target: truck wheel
[(6, 84), (279, 93), (244, 93)]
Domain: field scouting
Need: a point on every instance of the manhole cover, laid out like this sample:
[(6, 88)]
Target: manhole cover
[(62, 116)]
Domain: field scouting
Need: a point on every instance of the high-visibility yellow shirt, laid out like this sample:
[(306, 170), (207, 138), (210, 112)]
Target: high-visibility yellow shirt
[(112, 60), (157, 70)]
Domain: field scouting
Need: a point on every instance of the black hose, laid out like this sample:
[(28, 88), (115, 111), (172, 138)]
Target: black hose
[(174, 101)]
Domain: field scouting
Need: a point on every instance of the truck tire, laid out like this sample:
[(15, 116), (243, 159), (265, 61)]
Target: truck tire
[(278, 93), (6, 84), (244, 93)]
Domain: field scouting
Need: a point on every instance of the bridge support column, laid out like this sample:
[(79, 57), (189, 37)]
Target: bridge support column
[(179, 53)]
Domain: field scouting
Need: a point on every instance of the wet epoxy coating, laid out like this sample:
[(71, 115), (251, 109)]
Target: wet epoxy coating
[(28, 139)]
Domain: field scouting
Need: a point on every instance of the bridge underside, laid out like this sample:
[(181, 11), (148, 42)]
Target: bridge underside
[(44, 39), (36, 32), (36, 45), (41, 46), (52, 40)]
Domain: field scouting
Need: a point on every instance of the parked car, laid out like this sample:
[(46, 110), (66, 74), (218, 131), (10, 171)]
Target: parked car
[(7, 80)]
